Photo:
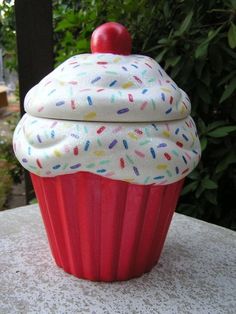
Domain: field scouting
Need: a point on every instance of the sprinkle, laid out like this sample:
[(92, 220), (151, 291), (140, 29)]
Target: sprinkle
[(66, 149), (60, 103), (127, 85), (96, 79), (101, 62), (113, 98), (39, 138), (103, 162), (90, 102), (112, 83), (125, 144), (167, 156), (184, 159), (124, 110), (168, 111), (161, 166), (138, 79), (148, 65), (117, 59), (135, 66), (99, 142), (169, 173), (124, 68), (56, 153), (144, 90), (86, 145), (140, 154), (99, 153), (175, 152), (24, 160), (143, 105), (51, 92), (75, 151), (185, 137), (111, 72), (179, 144), (129, 159), (132, 136), (166, 133), (144, 143), (188, 156), (138, 131), (146, 180), (56, 167), (159, 177), (130, 96), (90, 165), (153, 152), (122, 163), (112, 144), (74, 135), (162, 145), (155, 127), (165, 89), (173, 86), (40, 109), (160, 72), (90, 116), (153, 105), (75, 166), (101, 170), (163, 96), (186, 170), (101, 129), (177, 131), (171, 100), (177, 170), (72, 103), (53, 124), (116, 130), (65, 166), (136, 171), (194, 151), (73, 82), (39, 163), (52, 134), (29, 150)]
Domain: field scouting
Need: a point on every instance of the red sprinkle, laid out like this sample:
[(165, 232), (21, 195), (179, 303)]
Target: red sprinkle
[(131, 99), (101, 62), (179, 144), (138, 131), (100, 89), (171, 100), (168, 157), (148, 65), (122, 163), (73, 104), (143, 105), (39, 163), (76, 151), (101, 129), (73, 82), (186, 170), (138, 79), (140, 154)]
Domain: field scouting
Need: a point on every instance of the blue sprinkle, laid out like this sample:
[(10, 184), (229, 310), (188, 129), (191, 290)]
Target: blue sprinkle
[(113, 143), (52, 134), (159, 177), (184, 159), (86, 145), (135, 66), (177, 131), (155, 127), (96, 79), (75, 166), (153, 153), (160, 72), (124, 110), (168, 111), (101, 170), (194, 151), (39, 139), (112, 83), (144, 90), (24, 160), (125, 144), (162, 145), (60, 103), (173, 86), (177, 170), (56, 167), (90, 102), (185, 137), (163, 96), (136, 171), (124, 68)]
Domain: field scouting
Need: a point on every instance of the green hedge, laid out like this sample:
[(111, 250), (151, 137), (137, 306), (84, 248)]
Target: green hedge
[(194, 41)]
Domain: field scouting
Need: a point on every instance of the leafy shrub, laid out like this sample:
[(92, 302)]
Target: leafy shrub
[(194, 41)]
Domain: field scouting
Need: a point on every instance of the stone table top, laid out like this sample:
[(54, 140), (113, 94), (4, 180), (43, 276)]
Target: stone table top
[(196, 273)]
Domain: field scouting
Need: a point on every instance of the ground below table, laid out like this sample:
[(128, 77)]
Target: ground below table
[(196, 273)]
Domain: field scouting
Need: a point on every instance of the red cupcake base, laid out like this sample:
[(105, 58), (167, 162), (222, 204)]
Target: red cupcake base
[(102, 229)]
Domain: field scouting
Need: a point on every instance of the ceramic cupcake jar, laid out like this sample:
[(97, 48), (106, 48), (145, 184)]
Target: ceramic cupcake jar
[(108, 139)]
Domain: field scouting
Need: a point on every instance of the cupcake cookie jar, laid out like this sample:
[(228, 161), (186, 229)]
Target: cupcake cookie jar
[(108, 139)]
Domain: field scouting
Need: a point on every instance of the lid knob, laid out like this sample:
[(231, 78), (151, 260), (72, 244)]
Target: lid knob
[(111, 37)]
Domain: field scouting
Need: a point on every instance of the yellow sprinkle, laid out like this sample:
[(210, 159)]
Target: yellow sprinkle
[(90, 115), (57, 153), (166, 89), (117, 59), (129, 180), (133, 136), (127, 85), (166, 133), (183, 109), (100, 153), (161, 167)]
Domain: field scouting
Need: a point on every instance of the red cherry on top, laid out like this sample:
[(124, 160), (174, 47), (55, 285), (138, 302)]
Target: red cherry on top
[(111, 37)]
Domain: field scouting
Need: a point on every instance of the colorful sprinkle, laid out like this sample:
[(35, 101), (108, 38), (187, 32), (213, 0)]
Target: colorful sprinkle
[(125, 144), (112, 83), (112, 144), (167, 156), (56, 167), (101, 129), (136, 171), (96, 79), (168, 111), (179, 144), (127, 85), (124, 110), (89, 99), (162, 145), (143, 105), (144, 91), (185, 137), (76, 151), (140, 154), (39, 138), (153, 152), (39, 163), (130, 97), (122, 163), (76, 166), (163, 96), (86, 145), (90, 116)]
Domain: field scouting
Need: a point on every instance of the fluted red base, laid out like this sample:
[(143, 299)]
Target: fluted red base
[(102, 229)]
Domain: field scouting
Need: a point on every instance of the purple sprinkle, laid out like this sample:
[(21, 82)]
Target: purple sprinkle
[(162, 145), (24, 160), (136, 171), (184, 159), (168, 111), (113, 143), (144, 91), (153, 153), (176, 170), (96, 79), (112, 83), (125, 144), (163, 96), (39, 139), (124, 68), (90, 102), (160, 72), (124, 110), (185, 137), (75, 166), (86, 145), (60, 103), (56, 167), (177, 131), (159, 177)]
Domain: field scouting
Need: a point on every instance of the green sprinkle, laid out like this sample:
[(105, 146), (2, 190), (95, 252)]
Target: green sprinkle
[(169, 173), (175, 153), (111, 72), (90, 165), (146, 180), (103, 162), (32, 167), (129, 160), (144, 72), (144, 143), (147, 132), (82, 73), (65, 166), (153, 105), (99, 142), (113, 98), (85, 130), (151, 80)]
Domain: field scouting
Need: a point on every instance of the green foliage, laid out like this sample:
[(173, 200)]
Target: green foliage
[(8, 34), (194, 42)]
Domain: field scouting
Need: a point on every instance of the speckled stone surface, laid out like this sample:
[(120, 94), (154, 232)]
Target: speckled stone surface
[(196, 273)]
